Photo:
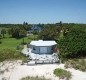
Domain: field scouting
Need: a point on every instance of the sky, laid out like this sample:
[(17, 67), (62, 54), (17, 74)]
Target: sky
[(42, 11)]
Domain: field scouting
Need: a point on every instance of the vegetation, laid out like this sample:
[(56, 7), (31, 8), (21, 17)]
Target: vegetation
[(0, 39), (9, 45), (62, 74), (3, 31), (17, 32), (79, 64), (13, 40), (49, 33), (13, 43), (34, 78), (71, 38), (6, 54), (73, 43)]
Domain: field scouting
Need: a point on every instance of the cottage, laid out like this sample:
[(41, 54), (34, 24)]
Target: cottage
[(42, 51), (43, 47)]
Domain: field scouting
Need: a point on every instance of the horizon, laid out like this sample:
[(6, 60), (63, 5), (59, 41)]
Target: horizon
[(42, 23), (42, 11)]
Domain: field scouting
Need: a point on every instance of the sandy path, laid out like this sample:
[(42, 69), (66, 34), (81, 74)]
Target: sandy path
[(17, 71)]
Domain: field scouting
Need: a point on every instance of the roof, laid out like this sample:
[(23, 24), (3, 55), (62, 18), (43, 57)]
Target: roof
[(35, 27), (43, 43)]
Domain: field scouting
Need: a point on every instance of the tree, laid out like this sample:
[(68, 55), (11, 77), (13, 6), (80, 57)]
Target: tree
[(3, 31), (73, 44), (49, 33), (35, 32), (14, 31), (25, 25), (22, 34), (17, 32), (0, 39), (9, 31), (60, 23)]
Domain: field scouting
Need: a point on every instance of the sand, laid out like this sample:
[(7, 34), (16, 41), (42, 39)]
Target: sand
[(13, 70)]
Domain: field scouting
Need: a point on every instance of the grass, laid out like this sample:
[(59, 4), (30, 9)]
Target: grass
[(62, 74), (9, 46), (12, 43), (79, 64), (8, 54), (34, 78)]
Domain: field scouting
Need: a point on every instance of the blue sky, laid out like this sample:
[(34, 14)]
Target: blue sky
[(42, 11)]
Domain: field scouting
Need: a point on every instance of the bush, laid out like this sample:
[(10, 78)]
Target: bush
[(34, 78), (73, 44), (79, 64), (10, 54), (62, 74), (20, 47)]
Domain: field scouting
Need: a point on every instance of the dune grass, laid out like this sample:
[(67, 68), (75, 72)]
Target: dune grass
[(62, 74), (79, 64), (34, 78), (8, 54)]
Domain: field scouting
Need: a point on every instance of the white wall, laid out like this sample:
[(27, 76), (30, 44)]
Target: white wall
[(40, 50)]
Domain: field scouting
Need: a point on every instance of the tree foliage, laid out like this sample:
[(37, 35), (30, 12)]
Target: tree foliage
[(0, 38), (73, 44), (17, 32), (49, 33), (3, 32)]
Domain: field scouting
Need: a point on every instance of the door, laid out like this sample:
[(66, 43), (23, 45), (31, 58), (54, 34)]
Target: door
[(43, 49)]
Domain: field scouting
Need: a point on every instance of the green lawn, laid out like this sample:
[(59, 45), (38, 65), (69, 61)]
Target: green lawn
[(12, 43)]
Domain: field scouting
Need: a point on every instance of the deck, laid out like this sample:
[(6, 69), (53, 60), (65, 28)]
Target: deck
[(40, 58)]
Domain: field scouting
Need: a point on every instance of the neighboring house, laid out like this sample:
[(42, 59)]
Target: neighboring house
[(34, 28), (42, 51)]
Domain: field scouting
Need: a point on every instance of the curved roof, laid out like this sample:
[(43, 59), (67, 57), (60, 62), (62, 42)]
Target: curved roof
[(43, 43)]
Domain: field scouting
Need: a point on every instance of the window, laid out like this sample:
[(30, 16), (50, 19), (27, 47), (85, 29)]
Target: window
[(34, 48), (52, 48), (43, 49)]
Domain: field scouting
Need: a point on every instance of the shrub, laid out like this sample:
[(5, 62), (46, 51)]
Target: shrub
[(34, 78), (10, 54), (62, 74), (20, 47), (73, 44), (69, 64), (79, 64)]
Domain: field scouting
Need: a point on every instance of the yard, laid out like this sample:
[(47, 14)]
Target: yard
[(9, 45), (12, 43)]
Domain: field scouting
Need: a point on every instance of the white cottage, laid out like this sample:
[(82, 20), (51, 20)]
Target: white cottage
[(42, 51), (43, 47)]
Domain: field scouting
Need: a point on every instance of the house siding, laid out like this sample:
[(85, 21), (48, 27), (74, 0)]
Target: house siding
[(36, 49), (49, 49)]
